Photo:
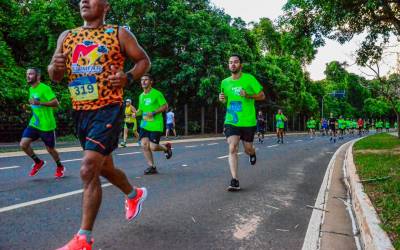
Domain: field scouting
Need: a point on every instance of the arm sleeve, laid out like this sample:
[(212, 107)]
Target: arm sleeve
[(161, 99), (49, 94)]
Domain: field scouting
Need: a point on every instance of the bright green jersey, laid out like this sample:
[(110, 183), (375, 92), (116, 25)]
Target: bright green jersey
[(241, 111), (280, 120), (341, 124), (42, 116), (395, 125), (149, 103), (387, 124), (311, 124), (354, 123), (348, 124)]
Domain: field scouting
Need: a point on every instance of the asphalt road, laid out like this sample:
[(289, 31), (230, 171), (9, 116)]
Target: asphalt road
[(188, 206)]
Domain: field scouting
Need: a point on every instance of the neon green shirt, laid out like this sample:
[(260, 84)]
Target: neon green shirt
[(341, 124), (42, 116), (311, 124), (241, 111), (395, 125), (149, 103), (348, 124), (280, 120)]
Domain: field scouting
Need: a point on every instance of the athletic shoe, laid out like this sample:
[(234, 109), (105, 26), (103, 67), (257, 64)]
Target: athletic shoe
[(151, 170), (234, 185), (133, 207), (253, 159), (79, 242), (60, 170), (123, 144), (168, 153), (36, 167), (279, 141)]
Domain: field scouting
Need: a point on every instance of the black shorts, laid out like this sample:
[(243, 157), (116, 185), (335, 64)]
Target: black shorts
[(99, 130), (246, 133), (48, 137), (332, 127), (129, 125), (154, 136)]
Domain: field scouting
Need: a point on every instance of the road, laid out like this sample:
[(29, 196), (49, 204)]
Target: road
[(188, 206)]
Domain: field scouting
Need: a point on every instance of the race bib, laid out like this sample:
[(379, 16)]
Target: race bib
[(236, 106), (147, 118), (84, 89)]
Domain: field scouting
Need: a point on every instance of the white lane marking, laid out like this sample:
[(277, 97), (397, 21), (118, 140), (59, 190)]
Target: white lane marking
[(272, 146), (271, 207), (184, 165), (72, 160), (226, 156), (11, 167), (132, 153), (192, 146), (38, 201), (299, 140)]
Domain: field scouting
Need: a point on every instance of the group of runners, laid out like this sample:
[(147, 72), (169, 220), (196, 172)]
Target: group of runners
[(92, 57)]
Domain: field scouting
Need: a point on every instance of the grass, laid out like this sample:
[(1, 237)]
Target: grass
[(384, 194)]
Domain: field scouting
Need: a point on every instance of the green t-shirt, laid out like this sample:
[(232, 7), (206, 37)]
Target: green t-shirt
[(387, 124), (355, 125), (42, 116), (148, 103), (395, 125), (311, 124), (280, 120), (341, 124), (348, 124), (241, 111)]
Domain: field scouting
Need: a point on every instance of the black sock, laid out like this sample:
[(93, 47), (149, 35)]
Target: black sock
[(35, 158), (58, 162)]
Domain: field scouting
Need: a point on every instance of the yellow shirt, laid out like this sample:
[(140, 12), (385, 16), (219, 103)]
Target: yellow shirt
[(130, 114)]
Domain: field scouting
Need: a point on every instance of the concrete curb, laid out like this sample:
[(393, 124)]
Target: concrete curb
[(312, 238), (372, 235), (78, 148)]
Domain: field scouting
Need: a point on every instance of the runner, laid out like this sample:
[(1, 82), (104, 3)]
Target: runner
[(239, 92), (342, 127), (170, 123), (354, 126), (396, 125), (379, 126), (280, 125), (260, 127), (42, 124), (93, 57), (130, 122), (152, 104), (332, 128), (348, 125), (360, 124), (366, 126), (324, 127), (387, 126), (311, 125)]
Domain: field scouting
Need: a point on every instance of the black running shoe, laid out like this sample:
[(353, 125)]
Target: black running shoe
[(168, 153), (279, 141), (253, 159), (234, 185), (151, 170)]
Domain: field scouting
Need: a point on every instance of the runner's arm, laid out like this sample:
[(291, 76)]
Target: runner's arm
[(57, 67), (132, 49), (258, 97), (162, 109), (53, 103)]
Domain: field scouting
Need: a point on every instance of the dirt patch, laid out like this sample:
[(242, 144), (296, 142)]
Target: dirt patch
[(395, 151)]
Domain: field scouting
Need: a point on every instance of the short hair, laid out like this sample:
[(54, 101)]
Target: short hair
[(37, 70), (238, 56), (149, 76)]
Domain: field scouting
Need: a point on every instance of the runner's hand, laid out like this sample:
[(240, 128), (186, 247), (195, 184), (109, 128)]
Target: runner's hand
[(222, 97), (60, 61), (118, 78)]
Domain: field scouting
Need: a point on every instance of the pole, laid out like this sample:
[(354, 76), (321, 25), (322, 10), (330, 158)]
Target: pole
[(216, 120), (186, 120)]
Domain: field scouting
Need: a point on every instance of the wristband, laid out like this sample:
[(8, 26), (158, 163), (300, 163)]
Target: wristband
[(153, 113)]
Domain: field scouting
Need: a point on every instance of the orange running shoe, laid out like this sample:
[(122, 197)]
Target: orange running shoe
[(133, 207), (59, 172), (36, 167), (78, 243)]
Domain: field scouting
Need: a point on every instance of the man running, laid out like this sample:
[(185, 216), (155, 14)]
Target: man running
[(280, 119), (342, 127), (170, 123), (42, 124), (152, 104), (311, 125), (239, 92), (130, 122), (387, 126), (332, 128), (93, 57), (260, 127), (360, 124), (324, 127)]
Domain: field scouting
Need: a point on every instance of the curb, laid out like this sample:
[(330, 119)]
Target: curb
[(372, 235), (312, 238), (78, 148)]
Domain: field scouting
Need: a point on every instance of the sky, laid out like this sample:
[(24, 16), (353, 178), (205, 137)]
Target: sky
[(253, 10)]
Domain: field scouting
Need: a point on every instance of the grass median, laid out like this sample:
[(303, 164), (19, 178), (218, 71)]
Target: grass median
[(377, 158)]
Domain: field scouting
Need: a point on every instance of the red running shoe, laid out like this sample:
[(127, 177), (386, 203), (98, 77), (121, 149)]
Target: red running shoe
[(36, 167), (60, 170), (78, 243), (133, 207)]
